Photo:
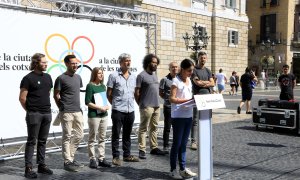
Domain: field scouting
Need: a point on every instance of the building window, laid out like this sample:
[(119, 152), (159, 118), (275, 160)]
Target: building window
[(167, 29), (268, 27), (271, 2), (230, 3), (169, 1), (199, 4), (233, 37)]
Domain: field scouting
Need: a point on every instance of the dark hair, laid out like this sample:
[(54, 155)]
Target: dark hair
[(35, 59), (94, 74), (186, 63), (220, 70), (286, 66), (201, 53), (148, 59), (68, 57), (247, 70)]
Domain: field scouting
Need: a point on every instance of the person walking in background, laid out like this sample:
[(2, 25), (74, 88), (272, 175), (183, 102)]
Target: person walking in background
[(181, 91), (164, 93), (247, 89), (202, 82), (233, 82), (221, 80), (97, 117), (214, 88), (147, 97), (35, 99), (287, 83), (67, 98), (237, 79), (120, 93)]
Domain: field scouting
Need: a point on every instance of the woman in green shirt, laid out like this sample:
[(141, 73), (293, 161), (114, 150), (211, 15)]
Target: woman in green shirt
[(95, 99)]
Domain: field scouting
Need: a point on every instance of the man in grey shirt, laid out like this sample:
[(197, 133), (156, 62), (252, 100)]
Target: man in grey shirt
[(147, 97), (164, 92), (67, 98), (120, 93)]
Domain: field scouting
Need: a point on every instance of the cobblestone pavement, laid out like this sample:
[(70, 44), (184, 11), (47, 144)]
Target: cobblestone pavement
[(239, 152)]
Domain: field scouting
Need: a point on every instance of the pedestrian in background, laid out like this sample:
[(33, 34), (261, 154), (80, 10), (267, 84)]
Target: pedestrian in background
[(97, 117), (233, 82), (221, 80), (164, 93), (120, 93), (287, 83), (181, 91), (147, 97), (237, 79), (35, 99), (67, 98)]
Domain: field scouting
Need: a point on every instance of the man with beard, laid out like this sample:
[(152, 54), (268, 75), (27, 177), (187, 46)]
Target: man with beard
[(147, 97), (120, 93), (67, 98), (287, 82), (35, 99), (202, 82)]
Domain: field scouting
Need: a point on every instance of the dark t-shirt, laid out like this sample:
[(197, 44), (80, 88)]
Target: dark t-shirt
[(246, 82), (69, 87), (286, 83), (165, 85), (204, 75), (38, 87)]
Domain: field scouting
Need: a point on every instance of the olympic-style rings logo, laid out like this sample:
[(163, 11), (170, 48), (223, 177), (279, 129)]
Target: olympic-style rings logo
[(69, 50)]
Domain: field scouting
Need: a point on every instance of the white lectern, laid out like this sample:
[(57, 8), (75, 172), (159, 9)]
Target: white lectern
[(205, 103)]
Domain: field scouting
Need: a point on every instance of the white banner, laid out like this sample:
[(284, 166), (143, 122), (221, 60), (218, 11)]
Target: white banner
[(94, 43)]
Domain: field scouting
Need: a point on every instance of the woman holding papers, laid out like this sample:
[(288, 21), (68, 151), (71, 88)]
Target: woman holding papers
[(95, 99), (181, 99)]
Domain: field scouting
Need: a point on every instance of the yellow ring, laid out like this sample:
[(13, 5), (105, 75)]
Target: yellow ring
[(46, 45)]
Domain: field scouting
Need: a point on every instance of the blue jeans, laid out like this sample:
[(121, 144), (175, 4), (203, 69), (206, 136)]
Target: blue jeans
[(181, 132)]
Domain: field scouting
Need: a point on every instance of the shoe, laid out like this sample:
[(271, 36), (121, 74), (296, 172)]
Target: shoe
[(104, 163), (44, 169), (166, 150), (186, 173), (142, 154), (157, 151), (29, 173), (194, 146), (93, 164), (131, 158), (78, 164), (70, 166), (239, 110), (249, 112), (174, 174), (117, 161)]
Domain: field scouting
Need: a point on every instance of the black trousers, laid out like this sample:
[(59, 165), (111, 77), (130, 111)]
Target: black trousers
[(38, 126), (167, 126), (119, 120)]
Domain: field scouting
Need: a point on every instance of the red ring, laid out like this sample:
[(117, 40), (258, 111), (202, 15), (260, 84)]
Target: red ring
[(84, 37)]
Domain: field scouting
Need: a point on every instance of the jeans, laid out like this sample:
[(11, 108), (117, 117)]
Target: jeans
[(38, 126), (97, 125), (167, 126), (181, 132), (126, 120)]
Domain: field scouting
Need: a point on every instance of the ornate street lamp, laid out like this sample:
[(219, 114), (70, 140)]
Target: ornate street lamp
[(200, 39)]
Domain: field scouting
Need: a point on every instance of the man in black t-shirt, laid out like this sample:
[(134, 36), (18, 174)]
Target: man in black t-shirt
[(287, 84), (35, 99), (245, 82)]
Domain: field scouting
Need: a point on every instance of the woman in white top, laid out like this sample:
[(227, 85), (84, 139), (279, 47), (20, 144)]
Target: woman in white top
[(181, 92)]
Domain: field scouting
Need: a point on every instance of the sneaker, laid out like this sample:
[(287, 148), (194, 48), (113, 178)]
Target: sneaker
[(174, 174), (166, 150), (142, 154), (249, 112), (157, 151), (78, 164), (70, 166), (44, 169), (239, 110), (186, 173), (194, 146), (117, 161), (103, 163), (131, 158), (93, 164), (29, 173)]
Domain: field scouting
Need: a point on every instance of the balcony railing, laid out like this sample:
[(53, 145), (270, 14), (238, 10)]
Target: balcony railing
[(273, 37)]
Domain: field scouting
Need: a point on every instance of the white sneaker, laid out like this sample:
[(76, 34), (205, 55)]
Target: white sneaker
[(185, 174), (174, 174)]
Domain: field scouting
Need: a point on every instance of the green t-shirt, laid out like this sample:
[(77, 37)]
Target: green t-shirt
[(91, 89)]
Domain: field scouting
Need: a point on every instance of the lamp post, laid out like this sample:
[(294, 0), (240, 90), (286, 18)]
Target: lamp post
[(200, 39), (267, 59)]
